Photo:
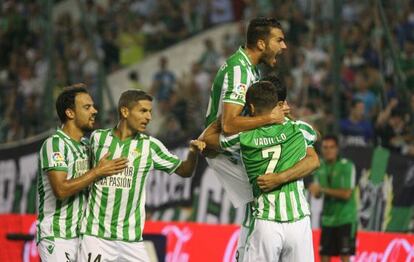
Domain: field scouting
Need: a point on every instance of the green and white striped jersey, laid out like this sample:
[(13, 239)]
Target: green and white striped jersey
[(116, 205), (231, 83), (273, 149), (60, 218)]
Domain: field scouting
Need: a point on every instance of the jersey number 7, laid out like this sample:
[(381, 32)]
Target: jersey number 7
[(273, 152)]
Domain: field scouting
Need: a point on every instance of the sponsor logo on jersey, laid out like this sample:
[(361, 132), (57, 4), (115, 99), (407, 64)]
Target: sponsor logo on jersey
[(58, 158)]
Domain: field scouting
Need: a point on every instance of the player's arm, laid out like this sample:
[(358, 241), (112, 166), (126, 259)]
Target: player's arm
[(63, 188), (234, 123), (211, 136), (186, 168), (340, 193), (300, 170)]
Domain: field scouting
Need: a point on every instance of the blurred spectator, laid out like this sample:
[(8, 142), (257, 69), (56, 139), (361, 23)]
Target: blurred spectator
[(134, 81), (391, 128), (221, 11), (355, 130), (210, 58), (163, 85), (366, 96)]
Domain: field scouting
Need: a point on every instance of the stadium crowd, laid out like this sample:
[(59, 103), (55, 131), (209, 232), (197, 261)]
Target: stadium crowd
[(373, 108)]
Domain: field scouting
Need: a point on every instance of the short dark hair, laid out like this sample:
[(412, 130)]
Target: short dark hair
[(262, 95), (331, 137), (280, 87), (130, 97), (66, 99), (259, 28)]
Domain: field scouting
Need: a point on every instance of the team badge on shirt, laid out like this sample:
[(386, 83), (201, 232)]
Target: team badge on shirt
[(58, 159), (136, 153)]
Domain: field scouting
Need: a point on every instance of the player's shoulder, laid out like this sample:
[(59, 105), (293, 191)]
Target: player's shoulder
[(236, 59), (302, 124)]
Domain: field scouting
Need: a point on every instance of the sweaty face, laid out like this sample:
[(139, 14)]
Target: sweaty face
[(329, 150), (139, 115), (85, 112), (274, 47)]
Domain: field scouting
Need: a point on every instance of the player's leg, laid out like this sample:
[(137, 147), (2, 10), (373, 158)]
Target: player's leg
[(58, 249), (264, 242), (94, 249), (298, 246), (328, 243), (244, 231), (132, 251), (347, 236)]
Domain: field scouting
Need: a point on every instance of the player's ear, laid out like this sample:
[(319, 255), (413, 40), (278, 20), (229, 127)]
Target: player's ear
[(280, 103), (124, 112), (261, 45), (70, 113)]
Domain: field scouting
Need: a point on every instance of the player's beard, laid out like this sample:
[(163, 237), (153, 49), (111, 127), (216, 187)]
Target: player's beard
[(268, 57)]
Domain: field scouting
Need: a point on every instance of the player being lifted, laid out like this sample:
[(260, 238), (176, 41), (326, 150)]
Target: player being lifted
[(115, 214), (64, 172), (264, 43), (281, 228)]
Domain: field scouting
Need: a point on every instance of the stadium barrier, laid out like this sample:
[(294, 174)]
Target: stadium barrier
[(205, 242)]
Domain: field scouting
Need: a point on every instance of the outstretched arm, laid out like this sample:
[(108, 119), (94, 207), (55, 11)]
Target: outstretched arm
[(186, 169)]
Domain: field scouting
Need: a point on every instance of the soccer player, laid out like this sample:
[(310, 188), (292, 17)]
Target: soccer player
[(335, 181), (63, 174), (264, 43), (269, 181), (281, 229), (115, 214)]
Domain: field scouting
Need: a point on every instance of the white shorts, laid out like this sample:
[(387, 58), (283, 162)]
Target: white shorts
[(244, 231), (274, 241), (234, 179), (58, 249), (98, 249)]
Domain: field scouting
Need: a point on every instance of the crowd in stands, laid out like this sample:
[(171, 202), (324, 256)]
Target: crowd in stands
[(375, 107)]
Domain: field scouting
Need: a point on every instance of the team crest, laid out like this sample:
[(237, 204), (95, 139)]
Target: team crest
[(136, 153)]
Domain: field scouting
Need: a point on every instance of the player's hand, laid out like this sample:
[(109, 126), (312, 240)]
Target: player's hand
[(277, 116), (315, 190), (107, 167), (268, 182), (197, 146)]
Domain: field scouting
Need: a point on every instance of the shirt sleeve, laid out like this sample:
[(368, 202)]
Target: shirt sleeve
[(348, 175), (230, 143), (163, 159), (308, 133), (236, 83), (53, 155)]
